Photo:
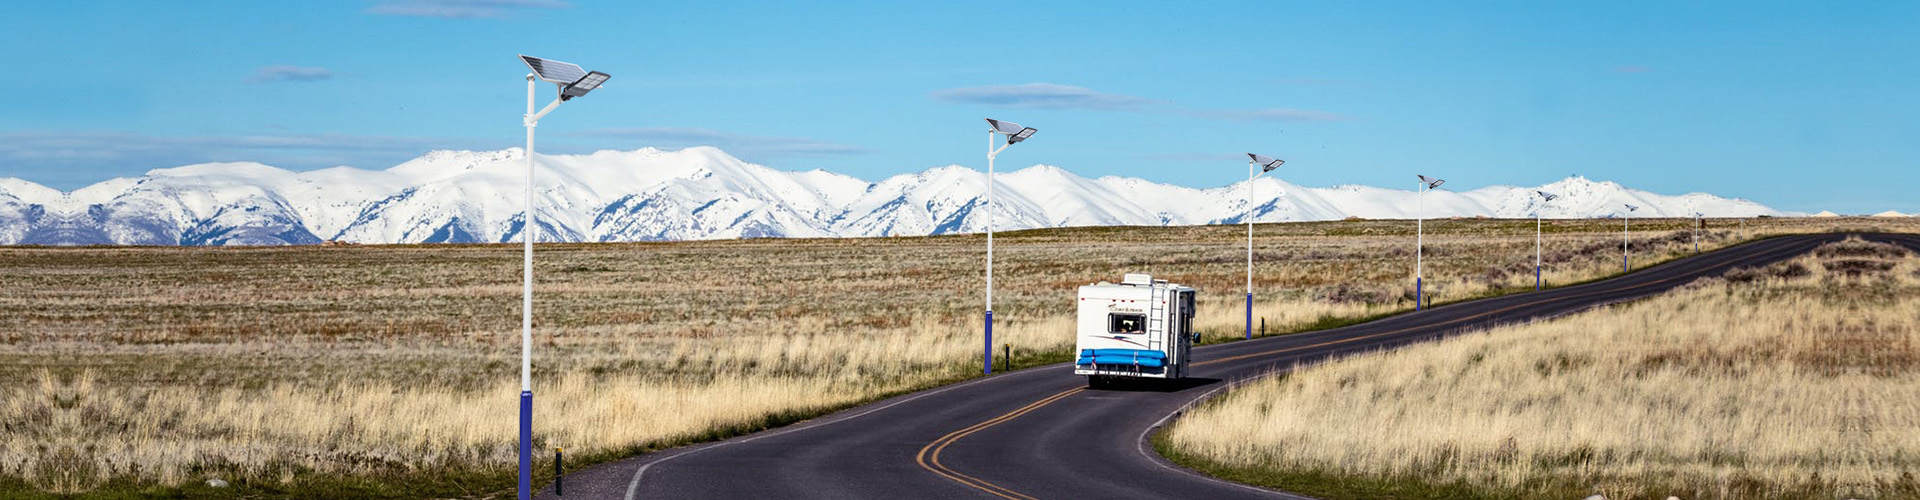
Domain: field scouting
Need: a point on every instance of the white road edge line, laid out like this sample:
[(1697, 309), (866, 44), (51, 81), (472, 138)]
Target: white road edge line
[(634, 485), (1141, 444)]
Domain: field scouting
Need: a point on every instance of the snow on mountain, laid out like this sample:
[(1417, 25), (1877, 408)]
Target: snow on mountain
[(704, 193), (17, 208)]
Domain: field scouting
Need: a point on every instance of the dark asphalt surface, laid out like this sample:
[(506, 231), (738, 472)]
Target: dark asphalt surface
[(1038, 433)]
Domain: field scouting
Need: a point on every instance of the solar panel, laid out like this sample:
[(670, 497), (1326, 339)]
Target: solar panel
[(1547, 195), (1431, 182), (1009, 128), (554, 71)]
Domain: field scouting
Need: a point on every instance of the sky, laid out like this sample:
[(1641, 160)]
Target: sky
[(1802, 106)]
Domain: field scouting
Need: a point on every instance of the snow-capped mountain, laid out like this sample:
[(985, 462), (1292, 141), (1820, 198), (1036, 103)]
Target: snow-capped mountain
[(704, 193)]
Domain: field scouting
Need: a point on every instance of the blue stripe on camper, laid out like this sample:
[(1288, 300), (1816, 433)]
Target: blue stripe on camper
[(1144, 353), (1126, 357)]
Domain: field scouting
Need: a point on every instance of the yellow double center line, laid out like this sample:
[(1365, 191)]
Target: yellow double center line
[(929, 456)]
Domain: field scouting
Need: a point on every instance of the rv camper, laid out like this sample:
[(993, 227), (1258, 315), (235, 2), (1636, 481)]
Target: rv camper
[(1138, 328)]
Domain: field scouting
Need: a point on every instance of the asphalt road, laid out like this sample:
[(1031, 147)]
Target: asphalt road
[(1039, 433)]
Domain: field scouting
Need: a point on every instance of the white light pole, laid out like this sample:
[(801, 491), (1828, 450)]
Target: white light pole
[(573, 82), (1420, 243), (1265, 164), (1624, 266), (1015, 133), (1696, 231), (1545, 197)]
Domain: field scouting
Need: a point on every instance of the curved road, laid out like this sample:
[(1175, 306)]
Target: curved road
[(1039, 433)]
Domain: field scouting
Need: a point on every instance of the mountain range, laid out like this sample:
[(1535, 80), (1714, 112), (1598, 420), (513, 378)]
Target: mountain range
[(704, 193)]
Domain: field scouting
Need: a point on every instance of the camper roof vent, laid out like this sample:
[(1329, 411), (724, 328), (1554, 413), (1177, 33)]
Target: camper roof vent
[(1138, 279)]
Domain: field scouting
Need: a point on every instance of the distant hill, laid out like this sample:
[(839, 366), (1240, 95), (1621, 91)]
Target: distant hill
[(704, 193)]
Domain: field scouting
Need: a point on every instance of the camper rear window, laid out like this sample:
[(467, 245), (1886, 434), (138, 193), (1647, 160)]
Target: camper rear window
[(1127, 323)]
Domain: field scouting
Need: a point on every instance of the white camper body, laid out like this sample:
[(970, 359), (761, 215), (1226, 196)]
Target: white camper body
[(1138, 328)]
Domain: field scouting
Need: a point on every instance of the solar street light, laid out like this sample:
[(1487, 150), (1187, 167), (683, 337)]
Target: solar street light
[(573, 81), (1545, 197), (1420, 242), (1266, 164), (1015, 133), (1624, 266), (1696, 232)]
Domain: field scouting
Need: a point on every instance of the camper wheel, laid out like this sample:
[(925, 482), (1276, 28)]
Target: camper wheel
[(1098, 382)]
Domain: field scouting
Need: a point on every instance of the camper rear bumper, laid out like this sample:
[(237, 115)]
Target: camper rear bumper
[(1123, 363), (1121, 371)]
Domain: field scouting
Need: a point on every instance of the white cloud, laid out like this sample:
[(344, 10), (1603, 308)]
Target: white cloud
[(742, 145), (1194, 157), (1265, 115), (1041, 96), (460, 9), (69, 159), (283, 73), (1053, 96)]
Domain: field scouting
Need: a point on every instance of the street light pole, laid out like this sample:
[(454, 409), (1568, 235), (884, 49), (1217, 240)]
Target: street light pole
[(526, 312), (574, 82), (1696, 232), (1545, 198), (1015, 133), (1420, 244), (1265, 164), (1625, 267)]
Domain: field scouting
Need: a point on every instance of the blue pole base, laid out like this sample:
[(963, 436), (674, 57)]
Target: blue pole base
[(986, 355), (1249, 315), (526, 445), (1419, 302), (1537, 285)]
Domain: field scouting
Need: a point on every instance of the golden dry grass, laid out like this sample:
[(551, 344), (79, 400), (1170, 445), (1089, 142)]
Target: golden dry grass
[(163, 366), (1801, 380)]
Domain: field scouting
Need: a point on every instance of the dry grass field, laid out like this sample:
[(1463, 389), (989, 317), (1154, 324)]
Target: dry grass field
[(1798, 380), (393, 370)]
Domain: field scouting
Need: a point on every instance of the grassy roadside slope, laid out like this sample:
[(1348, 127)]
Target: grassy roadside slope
[(1793, 381)]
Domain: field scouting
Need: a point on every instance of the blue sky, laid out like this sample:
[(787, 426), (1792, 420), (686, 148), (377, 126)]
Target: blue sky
[(1802, 106)]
